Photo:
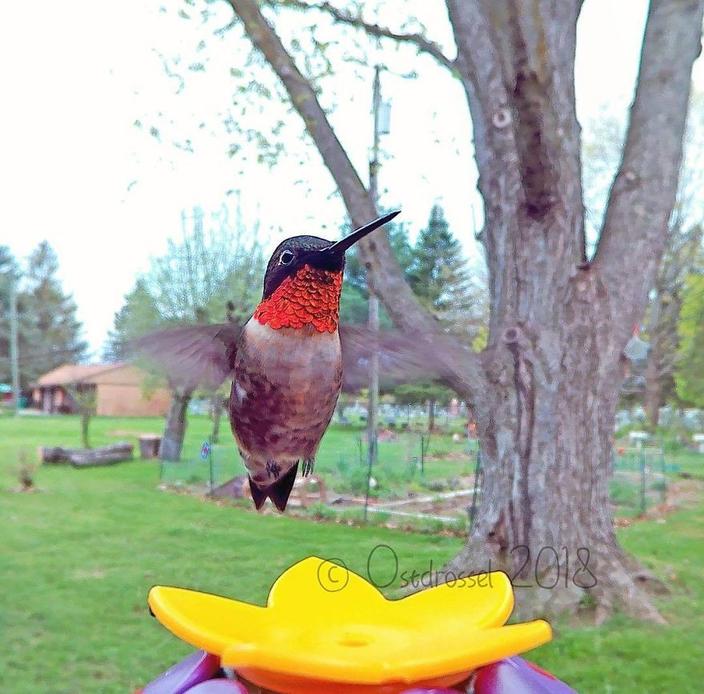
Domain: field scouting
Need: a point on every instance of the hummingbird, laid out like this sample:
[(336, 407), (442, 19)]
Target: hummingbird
[(286, 362)]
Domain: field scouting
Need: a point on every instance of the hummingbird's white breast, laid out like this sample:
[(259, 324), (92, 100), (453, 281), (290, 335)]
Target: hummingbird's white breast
[(285, 387)]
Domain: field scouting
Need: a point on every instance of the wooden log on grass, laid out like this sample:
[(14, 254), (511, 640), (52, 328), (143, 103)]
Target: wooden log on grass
[(106, 455), (88, 457), (56, 455)]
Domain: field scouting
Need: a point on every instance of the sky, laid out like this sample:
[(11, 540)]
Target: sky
[(83, 83)]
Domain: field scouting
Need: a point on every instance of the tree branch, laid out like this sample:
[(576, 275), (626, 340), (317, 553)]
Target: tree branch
[(385, 275), (642, 196), (341, 16)]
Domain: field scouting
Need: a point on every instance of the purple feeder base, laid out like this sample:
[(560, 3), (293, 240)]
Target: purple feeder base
[(517, 676), (196, 668), (218, 686)]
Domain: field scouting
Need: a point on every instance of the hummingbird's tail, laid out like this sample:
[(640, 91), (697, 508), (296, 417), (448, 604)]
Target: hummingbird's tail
[(278, 492)]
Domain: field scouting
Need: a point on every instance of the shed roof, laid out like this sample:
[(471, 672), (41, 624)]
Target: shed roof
[(67, 374)]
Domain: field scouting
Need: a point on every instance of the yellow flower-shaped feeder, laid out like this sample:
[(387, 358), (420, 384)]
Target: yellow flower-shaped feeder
[(325, 629)]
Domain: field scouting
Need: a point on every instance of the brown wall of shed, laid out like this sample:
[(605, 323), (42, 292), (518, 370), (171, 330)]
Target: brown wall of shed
[(129, 401)]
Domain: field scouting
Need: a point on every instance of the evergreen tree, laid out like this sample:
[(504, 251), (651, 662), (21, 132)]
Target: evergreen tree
[(353, 303), (138, 316), (49, 330), (689, 376), (8, 273), (438, 275)]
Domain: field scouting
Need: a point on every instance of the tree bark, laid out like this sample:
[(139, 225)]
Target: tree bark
[(216, 408), (175, 429), (57, 454), (431, 416), (544, 394), (559, 324), (85, 427), (88, 457), (105, 455)]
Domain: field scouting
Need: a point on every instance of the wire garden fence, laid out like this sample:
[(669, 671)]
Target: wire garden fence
[(640, 479), (406, 461), (205, 469), (411, 464)]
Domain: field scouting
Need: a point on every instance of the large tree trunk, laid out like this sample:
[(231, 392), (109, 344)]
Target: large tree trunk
[(544, 515), (175, 429), (559, 323), (87, 457), (544, 392)]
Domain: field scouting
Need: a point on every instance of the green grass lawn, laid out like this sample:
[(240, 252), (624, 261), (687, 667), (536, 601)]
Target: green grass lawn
[(80, 555)]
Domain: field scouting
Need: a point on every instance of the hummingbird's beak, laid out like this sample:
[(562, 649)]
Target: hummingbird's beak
[(341, 246)]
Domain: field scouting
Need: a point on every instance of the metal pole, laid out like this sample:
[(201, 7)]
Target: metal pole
[(475, 491), (373, 322), (210, 464), (14, 352), (642, 481)]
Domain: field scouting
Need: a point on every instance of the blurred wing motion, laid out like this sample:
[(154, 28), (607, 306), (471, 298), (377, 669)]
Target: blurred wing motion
[(204, 355), (192, 356), (403, 358)]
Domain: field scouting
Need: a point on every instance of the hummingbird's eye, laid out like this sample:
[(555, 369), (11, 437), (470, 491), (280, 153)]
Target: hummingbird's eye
[(286, 258)]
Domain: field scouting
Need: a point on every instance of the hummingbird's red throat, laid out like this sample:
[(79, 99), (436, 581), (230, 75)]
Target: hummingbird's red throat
[(310, 297)]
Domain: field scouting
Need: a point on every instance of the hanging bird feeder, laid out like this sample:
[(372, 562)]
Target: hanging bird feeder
[(636, 351), (347, 638)]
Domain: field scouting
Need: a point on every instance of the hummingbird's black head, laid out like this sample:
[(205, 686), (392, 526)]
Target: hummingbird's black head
[(294, 253)]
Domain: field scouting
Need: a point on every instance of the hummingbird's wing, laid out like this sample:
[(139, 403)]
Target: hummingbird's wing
[(204, 355), (191, 355), (403, 358)]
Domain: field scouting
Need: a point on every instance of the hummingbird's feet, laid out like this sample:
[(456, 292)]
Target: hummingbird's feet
[(307, 468)]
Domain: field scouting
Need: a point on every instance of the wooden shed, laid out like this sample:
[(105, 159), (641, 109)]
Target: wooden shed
[(121, 389)]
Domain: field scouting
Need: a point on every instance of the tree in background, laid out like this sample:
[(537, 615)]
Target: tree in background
[(689, 375), (212, 273), (664, 319), (9, 272), (85, 398), (436, 271), (601, 152), (137, 316), (50, 333), (426, 392), (354, 309), (439, 277)]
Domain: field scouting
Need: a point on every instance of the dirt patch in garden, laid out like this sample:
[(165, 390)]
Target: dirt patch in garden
[(683, 493), (450, 455)]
